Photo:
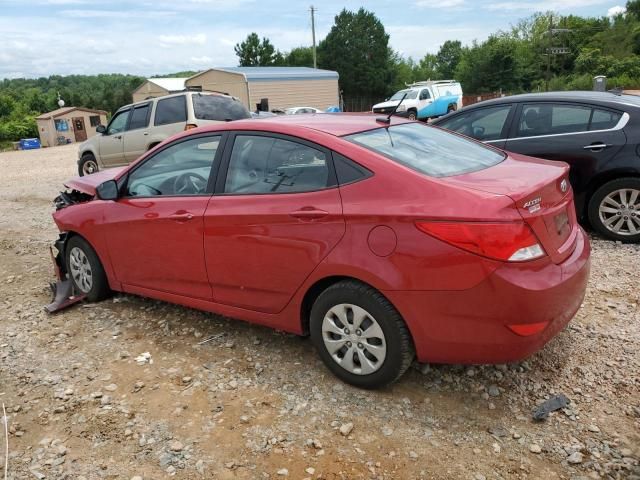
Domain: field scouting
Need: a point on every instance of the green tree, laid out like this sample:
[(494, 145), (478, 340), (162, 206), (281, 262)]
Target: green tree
[(299, 57), (253, 52), (357, 47), (448, 58)]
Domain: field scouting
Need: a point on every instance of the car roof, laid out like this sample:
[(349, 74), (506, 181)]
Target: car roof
[(337, 124), (601, 98)]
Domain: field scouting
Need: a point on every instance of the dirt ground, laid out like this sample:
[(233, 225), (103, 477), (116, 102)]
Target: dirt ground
[(253, 403)]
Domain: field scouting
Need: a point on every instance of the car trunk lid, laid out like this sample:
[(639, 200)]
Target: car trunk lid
[(542, 194)]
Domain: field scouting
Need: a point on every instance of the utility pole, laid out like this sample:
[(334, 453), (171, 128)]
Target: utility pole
[(549, 51), (313, 35)]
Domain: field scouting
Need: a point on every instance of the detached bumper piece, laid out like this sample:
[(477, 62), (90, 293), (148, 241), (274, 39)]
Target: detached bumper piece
[(62, 289)]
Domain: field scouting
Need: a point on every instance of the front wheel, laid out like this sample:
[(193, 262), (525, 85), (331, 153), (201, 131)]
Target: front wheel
[(85, 270), (614, 210), (360, 336), (87, 165), (412, 115)]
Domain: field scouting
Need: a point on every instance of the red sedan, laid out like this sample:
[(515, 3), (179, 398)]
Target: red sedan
[(383, 241)]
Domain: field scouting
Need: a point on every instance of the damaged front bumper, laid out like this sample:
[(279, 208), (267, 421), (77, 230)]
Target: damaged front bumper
[(63, 289)]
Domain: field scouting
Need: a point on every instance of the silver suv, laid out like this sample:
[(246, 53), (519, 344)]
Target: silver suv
[(138, 127)]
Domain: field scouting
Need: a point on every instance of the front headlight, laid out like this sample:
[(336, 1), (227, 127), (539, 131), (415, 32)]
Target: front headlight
[(401, 108)]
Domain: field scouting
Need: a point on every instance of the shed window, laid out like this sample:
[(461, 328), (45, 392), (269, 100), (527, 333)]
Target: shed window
[(95, 120), (62, 125)]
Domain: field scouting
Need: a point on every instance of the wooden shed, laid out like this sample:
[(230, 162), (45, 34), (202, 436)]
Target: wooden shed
[(69, 125), (157, 87), (284, 87)]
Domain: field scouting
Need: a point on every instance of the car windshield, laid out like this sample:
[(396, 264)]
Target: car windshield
[(428, 150), (411, 94), (217, 107)]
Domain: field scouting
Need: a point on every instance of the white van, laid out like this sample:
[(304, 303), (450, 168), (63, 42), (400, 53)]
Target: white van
[(424, 100)]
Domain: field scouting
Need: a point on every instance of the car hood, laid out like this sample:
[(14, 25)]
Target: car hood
[(88, 183), (391, 103)]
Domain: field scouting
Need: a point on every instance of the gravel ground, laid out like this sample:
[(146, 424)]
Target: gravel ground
[(123, 389)]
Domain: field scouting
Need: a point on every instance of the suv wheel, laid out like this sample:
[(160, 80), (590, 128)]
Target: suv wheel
[(614, 210), (360, 336), (87, 165)]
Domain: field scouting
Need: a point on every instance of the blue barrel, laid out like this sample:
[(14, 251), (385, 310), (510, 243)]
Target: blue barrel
[(29, 143)]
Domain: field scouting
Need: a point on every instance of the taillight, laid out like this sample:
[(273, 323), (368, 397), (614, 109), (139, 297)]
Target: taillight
[(189, 126), (509, 242)]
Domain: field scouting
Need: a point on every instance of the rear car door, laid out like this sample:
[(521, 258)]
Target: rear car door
[(276, 215), (155, 230), (584, 136), (111, 143), (487, 124), (136, 138)]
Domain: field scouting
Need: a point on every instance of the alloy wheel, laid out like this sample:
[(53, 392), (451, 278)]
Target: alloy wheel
[(620, 211), (80, 269), (354, 339), (89, 167)]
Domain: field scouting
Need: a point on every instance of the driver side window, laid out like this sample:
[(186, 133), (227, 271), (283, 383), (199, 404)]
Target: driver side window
[(119, 122), (182, 169)]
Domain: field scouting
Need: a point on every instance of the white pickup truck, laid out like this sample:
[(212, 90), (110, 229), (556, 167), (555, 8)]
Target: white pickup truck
[(424, 100)]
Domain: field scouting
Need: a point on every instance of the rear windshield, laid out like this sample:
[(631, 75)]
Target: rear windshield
[(428, 150), (215, 107)]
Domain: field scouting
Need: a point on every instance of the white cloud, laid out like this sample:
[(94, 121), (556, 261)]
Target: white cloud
[(403, 37), (204, 59), (197, 39), (544, 5), (615, 11), (115, 14), (441, 3)]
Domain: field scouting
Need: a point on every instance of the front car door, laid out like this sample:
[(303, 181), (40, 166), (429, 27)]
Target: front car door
[(488, 124), (584, 136), (155, 230), (136, 138), (276, 215), (111, 143)]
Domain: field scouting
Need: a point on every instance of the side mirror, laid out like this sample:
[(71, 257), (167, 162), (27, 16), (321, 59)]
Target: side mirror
[(107, 190), (101, 129)]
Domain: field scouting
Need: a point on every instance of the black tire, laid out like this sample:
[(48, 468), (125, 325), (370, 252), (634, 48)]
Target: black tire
[(87, 164), (597, 220), (412, 115), (399, 346), (452, 108), (99, 285)]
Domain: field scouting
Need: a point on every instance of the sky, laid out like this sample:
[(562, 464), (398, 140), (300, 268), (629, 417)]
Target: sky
[(46, 37)]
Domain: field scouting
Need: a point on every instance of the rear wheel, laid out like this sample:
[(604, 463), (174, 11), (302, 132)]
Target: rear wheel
[(360, 336), (452, 108), (87, 165), (614, 210), (85, 270)]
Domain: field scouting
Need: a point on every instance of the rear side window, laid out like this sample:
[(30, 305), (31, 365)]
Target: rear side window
[(348, 171), (549, 119), (428, 150), (214, 107), (139, 117), (261, 164), (171, 110), (482, 124), (604, 119)]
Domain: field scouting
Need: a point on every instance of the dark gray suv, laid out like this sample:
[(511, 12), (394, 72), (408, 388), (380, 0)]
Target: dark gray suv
[(596, 133)]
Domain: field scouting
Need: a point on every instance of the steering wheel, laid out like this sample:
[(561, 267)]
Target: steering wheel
[(189, 183)]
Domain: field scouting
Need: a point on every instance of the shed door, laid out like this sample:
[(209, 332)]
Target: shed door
[(79, 130)]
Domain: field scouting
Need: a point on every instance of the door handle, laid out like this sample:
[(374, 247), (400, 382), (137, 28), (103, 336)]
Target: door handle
[(181, 217), (117, 137), (309, 213), (596, 146), (145, 133)]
